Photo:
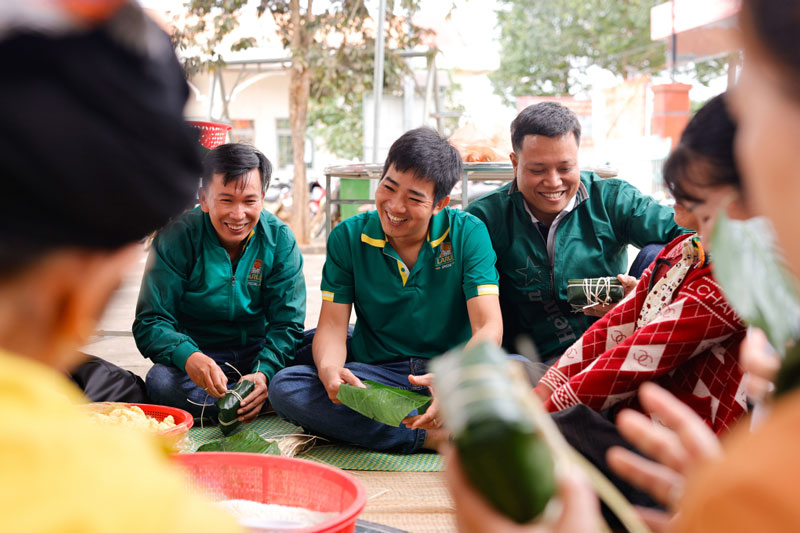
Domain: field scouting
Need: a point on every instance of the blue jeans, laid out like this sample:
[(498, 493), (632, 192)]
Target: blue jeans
[(303, 354), (169, 385), (644, 258), (298, 396)]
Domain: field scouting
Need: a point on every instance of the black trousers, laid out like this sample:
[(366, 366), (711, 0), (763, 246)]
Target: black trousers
[(592, 433), (102, 381)]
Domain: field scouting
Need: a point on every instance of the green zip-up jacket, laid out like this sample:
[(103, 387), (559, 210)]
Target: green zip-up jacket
[(193, 298), (589, 241)]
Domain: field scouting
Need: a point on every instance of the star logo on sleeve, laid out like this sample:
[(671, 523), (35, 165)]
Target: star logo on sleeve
[(531, 272)]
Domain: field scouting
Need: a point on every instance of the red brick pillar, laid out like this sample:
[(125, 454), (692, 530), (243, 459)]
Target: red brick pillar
[(671, 110)]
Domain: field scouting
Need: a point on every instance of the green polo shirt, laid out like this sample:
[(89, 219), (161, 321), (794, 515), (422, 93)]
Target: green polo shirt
[(402, 313)]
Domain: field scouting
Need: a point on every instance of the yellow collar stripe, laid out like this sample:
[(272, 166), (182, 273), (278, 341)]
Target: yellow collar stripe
[(438, 241), (327, 296), (403, 272), (377, 243), (247, 240), (488, 289)]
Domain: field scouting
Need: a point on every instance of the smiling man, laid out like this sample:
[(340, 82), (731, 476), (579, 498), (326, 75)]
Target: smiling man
[(554, 222), (422, 279), (224, 293)]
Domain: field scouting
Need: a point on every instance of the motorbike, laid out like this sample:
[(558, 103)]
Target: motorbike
[(278, 201)]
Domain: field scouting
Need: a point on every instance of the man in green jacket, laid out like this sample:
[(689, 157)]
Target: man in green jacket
[(554, 222), (224, 295)]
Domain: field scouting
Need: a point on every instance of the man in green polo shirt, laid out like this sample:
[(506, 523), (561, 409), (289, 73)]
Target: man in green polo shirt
[(422, 279), (554, 222)]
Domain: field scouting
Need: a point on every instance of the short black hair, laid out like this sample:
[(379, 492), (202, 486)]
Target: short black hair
[(234, 161), (707, 141), (108, 165), (429, 157), (549, 119)]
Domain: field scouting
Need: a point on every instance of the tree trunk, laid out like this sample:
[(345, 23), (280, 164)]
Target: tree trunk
[(299, 83), (299, 86)]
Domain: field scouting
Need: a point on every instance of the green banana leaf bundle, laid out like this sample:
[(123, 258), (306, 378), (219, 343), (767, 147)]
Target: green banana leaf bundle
[(230, 403), (601, 291), (246, 441), (388, 405), (750, 267), (482, 399)]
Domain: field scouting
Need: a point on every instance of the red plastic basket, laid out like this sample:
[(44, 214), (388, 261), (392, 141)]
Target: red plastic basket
[(212, 134), (281, 481), (183, 419)]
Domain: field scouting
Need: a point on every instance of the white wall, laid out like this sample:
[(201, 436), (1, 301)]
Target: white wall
[(263, 98)]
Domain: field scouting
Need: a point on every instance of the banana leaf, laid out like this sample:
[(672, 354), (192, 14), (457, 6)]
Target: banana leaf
[(499, 446), (608, 288), (382, 403), (507, 443), (788, 377), (752, 272), (246, 441), (230, 403)]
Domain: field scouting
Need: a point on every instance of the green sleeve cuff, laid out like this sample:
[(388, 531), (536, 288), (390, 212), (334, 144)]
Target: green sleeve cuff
[(343, 296), (266, 366), (182, 352), (266, 369)]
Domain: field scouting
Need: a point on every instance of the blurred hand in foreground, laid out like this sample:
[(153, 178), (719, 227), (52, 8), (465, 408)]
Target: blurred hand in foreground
[(580, 508), (685, 443), (761, 362)]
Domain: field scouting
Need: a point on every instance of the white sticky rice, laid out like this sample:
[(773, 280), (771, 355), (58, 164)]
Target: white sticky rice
[(250, 514)]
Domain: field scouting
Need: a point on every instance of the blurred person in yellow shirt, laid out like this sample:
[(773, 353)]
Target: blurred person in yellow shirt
[(94, 156)]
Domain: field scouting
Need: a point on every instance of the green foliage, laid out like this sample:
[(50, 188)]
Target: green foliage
[(385, 404), (212, 19), (339, 121), (751, 271), (706, 71), (341, 68), (547, 44)]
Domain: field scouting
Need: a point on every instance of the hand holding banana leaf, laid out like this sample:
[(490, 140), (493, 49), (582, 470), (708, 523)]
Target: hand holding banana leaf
[(509, 448), (580, 512), (430, 418), (388, 405), (333, 377), (252, 404)]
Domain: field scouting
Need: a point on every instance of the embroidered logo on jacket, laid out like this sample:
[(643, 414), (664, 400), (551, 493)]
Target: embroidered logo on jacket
[(254, 278), (445, 258)]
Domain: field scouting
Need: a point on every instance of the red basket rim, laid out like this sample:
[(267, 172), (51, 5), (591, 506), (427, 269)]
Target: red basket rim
[(348, 515), (183, 419), (212, 125)]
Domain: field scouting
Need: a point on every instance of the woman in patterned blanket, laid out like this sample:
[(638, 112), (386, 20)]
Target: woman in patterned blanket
[(675, 328)]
